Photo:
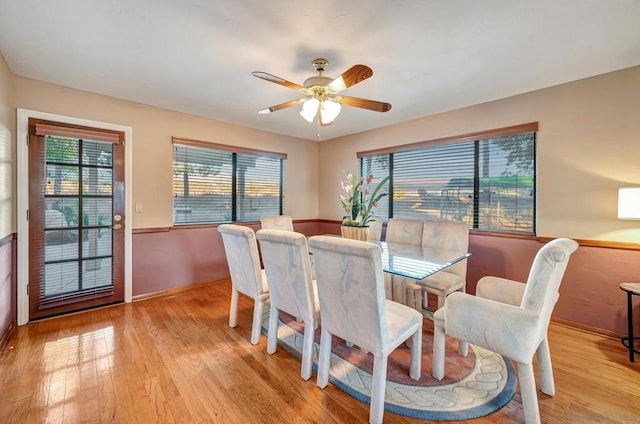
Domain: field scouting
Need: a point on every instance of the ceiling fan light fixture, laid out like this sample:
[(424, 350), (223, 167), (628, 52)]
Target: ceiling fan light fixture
[(329, 111), (310, 109), (316, 81), (321, 97)]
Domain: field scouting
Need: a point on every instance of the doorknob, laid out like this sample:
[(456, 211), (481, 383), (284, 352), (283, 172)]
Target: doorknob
[(117, 226), (117, 218)]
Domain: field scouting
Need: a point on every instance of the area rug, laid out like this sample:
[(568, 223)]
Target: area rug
[(474, 386)]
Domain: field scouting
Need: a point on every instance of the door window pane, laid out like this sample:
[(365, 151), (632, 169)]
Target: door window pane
[(60, 278)]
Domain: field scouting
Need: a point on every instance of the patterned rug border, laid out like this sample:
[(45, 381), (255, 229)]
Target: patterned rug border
[(402, 399)]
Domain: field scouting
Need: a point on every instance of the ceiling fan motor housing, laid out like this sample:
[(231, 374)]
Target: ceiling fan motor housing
[(316, 81)]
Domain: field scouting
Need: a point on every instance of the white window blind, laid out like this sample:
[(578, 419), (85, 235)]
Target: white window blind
[(434, 183), (218, 185), (378, 167), (506, 184), (487, 183), (259, 187)]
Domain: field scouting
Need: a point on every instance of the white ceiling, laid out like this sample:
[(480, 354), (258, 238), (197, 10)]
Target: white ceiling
[(428, 56)]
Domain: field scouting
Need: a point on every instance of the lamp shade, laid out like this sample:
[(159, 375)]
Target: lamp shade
[(629, 203)]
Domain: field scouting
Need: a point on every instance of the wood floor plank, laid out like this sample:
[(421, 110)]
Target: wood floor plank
[(174, 359)]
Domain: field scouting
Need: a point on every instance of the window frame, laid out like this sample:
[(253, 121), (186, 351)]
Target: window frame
[(234, 151), (476, 138)]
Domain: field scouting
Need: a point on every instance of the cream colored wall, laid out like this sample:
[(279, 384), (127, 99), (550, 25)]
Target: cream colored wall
[(588, 145), (152, 150), (7, 155)]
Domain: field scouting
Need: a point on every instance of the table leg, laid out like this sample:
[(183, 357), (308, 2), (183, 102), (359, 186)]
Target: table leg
[(630, 326)]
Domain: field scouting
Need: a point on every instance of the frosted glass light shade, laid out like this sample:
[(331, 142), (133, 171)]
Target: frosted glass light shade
[(309, 109), (329, 111), (629, 203)]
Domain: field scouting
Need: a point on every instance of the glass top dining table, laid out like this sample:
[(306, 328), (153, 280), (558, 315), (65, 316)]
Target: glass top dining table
[(416, 262)]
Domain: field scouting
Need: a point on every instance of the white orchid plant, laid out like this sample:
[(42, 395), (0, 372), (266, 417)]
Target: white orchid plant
[(358, 201)]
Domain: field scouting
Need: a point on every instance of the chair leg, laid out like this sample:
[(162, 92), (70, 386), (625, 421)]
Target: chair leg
[(258, 307), (528, 393), (307, 349), (233, 313), (376, 409), (463, 348), (415, 369), (437, 364), (324, 358), (545, 369), (272, 334)]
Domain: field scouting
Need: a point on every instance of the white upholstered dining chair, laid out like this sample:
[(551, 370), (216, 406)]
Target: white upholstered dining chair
[(353, 307), (375, 230), (509, 318), (409, 232), (277, 222), (286, 262), (241, 249), (447, 235), (404, 231), (452, 236)]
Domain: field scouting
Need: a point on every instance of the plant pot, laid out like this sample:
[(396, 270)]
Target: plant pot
[(355, 233)]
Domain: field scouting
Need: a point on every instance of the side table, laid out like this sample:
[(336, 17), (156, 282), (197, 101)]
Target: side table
[(631, 289)]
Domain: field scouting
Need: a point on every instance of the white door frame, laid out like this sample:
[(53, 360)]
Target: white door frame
[(22, 132)]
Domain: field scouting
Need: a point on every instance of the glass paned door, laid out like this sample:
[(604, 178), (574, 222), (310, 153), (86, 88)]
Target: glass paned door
[(75, 223)]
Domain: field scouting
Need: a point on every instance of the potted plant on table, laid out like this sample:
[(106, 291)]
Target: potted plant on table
[(358, 202)]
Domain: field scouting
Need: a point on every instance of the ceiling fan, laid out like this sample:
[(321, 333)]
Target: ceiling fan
[(321, 93)]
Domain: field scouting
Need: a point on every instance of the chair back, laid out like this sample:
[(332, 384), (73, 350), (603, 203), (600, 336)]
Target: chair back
[(351, 290), (286, 262), (277, 222), (241, 248), (375, 230), (404, 231), (448, 235), (542, 289)]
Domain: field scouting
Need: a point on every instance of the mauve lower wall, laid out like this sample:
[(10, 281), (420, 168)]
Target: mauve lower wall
[(182, 256), (589, 295), (7, 284), (590, 292)]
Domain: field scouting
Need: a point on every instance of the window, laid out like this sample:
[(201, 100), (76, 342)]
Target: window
[(486, 180), (213, 183)]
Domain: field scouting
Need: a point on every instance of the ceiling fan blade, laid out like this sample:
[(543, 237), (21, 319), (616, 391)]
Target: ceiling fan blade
[(365, 104), (281, 106), (278, 80), (351, 76)]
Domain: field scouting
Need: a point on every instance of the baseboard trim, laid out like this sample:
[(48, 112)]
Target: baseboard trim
[(555, 321), (586, 328), (4, 341), (175, 290)]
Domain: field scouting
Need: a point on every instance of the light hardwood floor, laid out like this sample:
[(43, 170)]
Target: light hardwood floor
[(175, 359)]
